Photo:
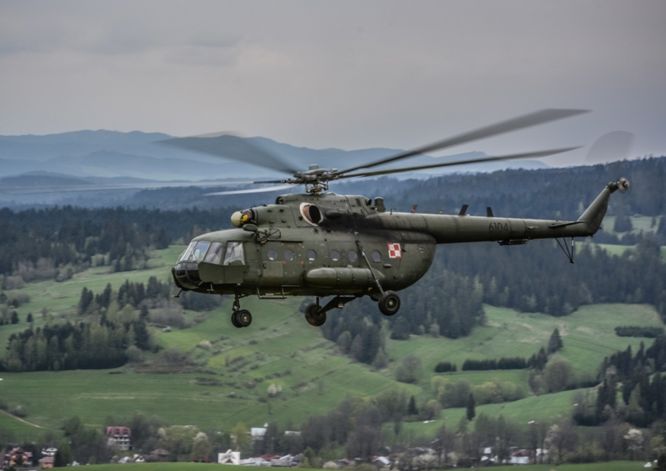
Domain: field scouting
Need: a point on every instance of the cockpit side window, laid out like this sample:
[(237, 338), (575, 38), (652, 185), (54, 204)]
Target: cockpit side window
[(214, 254), (200, 250), (234, 255)]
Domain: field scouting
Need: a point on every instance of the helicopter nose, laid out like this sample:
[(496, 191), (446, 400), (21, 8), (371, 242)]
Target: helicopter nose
[(186, 275)]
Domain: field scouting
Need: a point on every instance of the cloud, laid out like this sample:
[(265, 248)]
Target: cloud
[(345, 73)]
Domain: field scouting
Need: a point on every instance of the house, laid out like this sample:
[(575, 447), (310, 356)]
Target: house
[(158, 454), (487, 456), (520, 457), (286, 461), (382, 462), (257, 433), (256, 461), (50, 451), (16, 457), (118, 437), (229, 457)]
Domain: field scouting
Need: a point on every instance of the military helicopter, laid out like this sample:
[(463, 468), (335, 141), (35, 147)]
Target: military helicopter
[(323, 244)]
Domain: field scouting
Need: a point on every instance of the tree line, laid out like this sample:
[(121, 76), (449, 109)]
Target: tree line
[(632, 387), (58, 241), (537, 277), (638, 331), (67, 346), (114, 324), (444, 303)]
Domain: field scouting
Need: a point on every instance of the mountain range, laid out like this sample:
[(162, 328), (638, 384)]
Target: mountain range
[(141, 155)]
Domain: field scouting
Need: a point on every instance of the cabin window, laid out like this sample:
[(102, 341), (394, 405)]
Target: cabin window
[(352, 256), (311, 255), (376, 256), (214, 254), (289, 255), (335, 255), (272, 255), (234, 254)]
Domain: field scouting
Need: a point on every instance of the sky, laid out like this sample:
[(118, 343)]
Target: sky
[(348, 74)]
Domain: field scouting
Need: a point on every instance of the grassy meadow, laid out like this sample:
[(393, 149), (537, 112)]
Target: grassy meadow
[(235, 367)]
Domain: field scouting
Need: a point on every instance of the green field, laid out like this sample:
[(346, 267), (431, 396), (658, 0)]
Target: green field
[(18, 428), (235, 367), (588, 336), (639, 223), (61, 299), (546, 408)]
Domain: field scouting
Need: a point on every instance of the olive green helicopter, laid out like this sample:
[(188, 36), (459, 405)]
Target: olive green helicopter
[(322, 244)]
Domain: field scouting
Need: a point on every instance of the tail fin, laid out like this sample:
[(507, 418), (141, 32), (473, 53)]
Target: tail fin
[(596, 211)]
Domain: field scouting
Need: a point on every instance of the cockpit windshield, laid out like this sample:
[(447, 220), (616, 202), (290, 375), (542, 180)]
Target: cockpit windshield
[(188, 252), (196, 251)]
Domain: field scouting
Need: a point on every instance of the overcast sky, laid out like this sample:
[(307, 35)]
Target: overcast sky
[(337, 74)]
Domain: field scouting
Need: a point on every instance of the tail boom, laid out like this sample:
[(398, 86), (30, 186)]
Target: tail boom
[(463, 228)]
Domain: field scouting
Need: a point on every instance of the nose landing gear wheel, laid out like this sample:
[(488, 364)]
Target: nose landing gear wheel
[(389, 303), (241, 318), (315, 315)]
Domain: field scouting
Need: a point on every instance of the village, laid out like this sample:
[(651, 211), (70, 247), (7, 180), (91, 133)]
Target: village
[(119, 442)]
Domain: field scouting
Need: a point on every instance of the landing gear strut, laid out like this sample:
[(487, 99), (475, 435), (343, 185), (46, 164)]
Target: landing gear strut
[(389, 301), (240, 317), (316, 314)]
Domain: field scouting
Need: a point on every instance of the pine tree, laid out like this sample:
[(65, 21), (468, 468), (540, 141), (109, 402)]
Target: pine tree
[(471, 407), (555, 342), (411, 408)]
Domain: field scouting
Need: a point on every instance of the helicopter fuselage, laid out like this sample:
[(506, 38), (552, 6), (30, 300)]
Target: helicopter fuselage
[(281, 250), (327, 244)]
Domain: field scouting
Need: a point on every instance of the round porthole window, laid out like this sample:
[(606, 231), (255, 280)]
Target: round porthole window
[(272, 255), (311, 255), (352, 256), (376, 256), (335, 255)]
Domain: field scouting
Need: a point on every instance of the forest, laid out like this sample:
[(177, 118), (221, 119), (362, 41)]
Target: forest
[(56, 242), (117, 325)]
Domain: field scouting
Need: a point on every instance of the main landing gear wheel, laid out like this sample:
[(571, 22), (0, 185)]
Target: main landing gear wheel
[(389, 303), (315, 315), (241, 318)]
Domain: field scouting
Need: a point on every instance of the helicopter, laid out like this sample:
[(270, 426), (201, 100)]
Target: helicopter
[(322, 244)]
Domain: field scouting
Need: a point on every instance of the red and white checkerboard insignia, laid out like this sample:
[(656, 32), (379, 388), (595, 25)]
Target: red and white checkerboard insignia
[(394, 250)]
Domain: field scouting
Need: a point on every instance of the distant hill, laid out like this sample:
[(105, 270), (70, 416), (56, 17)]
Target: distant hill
[(137, 154), (40, 180)]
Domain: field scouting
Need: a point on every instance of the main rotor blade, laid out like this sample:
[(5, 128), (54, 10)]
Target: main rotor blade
[(96, 186), (541, 153), (250, 190), (234, 148), (521, 122)]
